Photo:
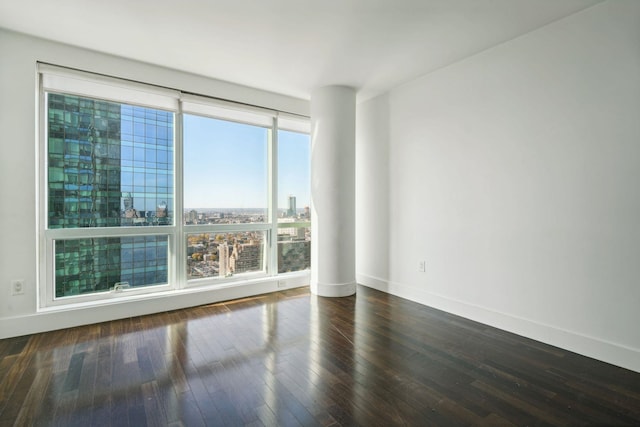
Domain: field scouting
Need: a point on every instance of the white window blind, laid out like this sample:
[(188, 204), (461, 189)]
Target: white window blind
[(57, 79), (219, 109), (294, 123)]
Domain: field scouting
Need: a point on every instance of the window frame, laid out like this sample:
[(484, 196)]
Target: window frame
[(247, 115), (79, 83)]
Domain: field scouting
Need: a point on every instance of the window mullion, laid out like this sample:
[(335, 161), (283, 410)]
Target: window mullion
[(272, 259), (79, 233), (45, 254), (225, 228), (178, 247)]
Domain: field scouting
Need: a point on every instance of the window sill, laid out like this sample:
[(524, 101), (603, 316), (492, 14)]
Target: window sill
[(274, 283)]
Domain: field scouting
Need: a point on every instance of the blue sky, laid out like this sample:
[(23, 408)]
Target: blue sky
[(294, 160), (226, 165)]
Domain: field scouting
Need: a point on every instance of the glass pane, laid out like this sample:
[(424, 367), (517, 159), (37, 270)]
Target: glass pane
[(225, 172), (85, 266), (294, 178), (110, 164), (224, 254), (294, 238), (294, 248)]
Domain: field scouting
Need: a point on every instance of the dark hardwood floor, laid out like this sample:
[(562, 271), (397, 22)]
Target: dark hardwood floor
[(293, 359)]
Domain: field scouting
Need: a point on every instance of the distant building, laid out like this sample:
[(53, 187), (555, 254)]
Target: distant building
[(294, 255), (247, 257), (193, 217), (127, 201), (292, 211), (163, 210), (289, 231), (223, 260)]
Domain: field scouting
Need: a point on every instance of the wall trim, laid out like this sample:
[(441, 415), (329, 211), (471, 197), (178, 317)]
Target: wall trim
[(333, 290), (596, 348)]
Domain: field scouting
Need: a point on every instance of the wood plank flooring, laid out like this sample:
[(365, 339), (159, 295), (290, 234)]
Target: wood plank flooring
[(289, 359)]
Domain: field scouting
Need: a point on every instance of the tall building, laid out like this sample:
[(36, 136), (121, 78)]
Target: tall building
[(223, 259), (127, 202), (292, 211), (84, 162), (193, 216), (100, 154), (247, 257)]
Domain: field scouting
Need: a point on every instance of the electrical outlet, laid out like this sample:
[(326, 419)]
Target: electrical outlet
[(282, 283), (422, 266), (17, 287)]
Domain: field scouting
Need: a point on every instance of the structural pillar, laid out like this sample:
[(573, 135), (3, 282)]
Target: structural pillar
[(333, 181)]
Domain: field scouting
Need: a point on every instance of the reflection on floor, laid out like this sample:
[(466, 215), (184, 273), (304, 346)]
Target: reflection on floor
[(290, 358)]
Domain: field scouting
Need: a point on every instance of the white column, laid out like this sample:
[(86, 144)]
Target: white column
[(333, 239)]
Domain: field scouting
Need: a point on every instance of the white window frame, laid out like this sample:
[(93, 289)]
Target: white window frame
[(248, 115), (67, 81)]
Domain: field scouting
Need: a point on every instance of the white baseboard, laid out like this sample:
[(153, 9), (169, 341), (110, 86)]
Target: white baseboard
[(600, 349), (333, 289)]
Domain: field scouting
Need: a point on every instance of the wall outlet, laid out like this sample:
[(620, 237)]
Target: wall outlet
[(422, 266), (17, 287), (282, 283)]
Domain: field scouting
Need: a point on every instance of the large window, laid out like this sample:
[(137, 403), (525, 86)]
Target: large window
[(226, 194), (145, 189)]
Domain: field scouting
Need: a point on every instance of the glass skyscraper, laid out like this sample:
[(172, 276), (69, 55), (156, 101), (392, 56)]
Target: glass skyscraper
[(109, 165)]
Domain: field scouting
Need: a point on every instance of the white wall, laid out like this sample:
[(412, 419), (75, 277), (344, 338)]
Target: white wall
[(514, 174), (372, 188), (18, 175)]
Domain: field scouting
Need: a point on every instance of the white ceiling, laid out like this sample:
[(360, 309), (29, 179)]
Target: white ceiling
[(289, 46)]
